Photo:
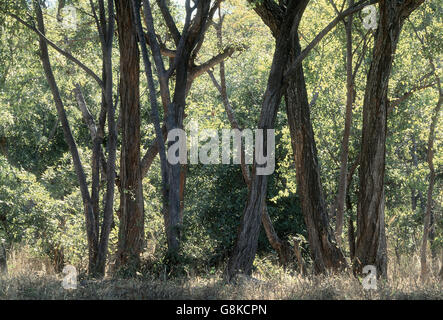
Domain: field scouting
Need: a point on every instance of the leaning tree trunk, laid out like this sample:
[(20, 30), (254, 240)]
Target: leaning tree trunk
[(371, 238), (282, 247), (131, 231), (245, 247), (324, 251), (91, 231)]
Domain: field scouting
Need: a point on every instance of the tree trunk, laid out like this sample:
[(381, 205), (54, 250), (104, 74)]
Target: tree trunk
[(340, 201), (131, 232), (371, 238), (91, 231), (325, 253), (108, 211), (282, 248), (3, 259), (190, 39), (351, 230), (175, 121), (245, 247)]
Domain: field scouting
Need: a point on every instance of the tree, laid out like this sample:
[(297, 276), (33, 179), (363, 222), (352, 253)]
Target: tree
[(325, 253), (246, 244), (97, 238), (350, 98), (371, 238), (282, 247), (131, 213), (427, 221), (188, 43)]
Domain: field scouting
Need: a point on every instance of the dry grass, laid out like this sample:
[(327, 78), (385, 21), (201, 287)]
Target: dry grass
[(269, 282)]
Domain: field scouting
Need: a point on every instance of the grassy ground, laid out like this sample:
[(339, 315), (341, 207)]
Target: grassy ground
[(268, 282)]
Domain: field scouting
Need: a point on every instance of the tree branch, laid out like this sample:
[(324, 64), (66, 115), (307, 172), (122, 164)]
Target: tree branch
[(58, 49), (357, 7)]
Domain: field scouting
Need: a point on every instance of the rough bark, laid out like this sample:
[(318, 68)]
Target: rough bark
[(187, 45), (323, 249), (325, 253), (282, 248), (131, 232), (371, 238), (245, 247)]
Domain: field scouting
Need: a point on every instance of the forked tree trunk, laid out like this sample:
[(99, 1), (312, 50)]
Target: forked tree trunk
[(321, 238), (371, 238), (282, 247), (131, 231), (245, 247), (188, 44)]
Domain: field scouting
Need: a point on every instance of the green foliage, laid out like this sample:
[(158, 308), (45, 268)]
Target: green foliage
[(40, 204)]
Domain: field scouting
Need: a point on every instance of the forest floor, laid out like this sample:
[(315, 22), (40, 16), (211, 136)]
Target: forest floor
[(214, 288), (271, 283)]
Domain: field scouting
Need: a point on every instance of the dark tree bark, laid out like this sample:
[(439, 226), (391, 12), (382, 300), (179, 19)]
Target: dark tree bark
[(187, 44), (107, 32), (245, 247), (282, 248), (351, 230), (325, 253), (371, 238), (131, 232)]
